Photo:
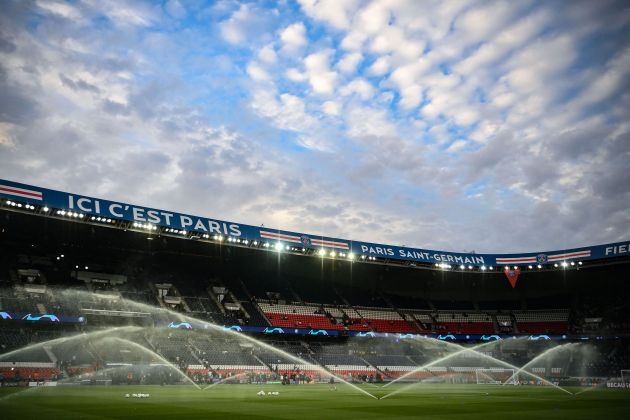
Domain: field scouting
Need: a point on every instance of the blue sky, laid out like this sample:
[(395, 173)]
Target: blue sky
[(488, 126)]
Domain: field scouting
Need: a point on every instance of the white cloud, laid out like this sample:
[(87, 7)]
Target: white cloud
[(267, 54), (295, 75), (293, 37), (349, 63), (407, 78), (380, 67), (315, 143), (175, 8), (288, 113), (609, 81), (374, 18), (464, 115), (485, 131), (456, 146), (360, 87), (393, 40), (64, 10), (232, 30), (509, 39), (129, 14), (246, 24), (331, 108), (333, 12), (6, 137), (369, 122), (354, 40), (478, 23), (257, 73), (531, 67), (320, 77)]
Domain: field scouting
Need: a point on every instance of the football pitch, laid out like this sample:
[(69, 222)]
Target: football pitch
[(312, 402)]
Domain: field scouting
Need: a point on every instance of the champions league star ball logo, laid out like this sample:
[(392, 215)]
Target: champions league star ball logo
[(541, 258), (305, 240)]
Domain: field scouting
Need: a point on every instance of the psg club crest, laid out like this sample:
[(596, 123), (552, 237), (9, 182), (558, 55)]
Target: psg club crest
[(305, 240), (512, 275), (541, 258)]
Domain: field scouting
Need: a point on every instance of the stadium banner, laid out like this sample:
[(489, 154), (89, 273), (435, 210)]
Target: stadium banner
[(97, 207), (512, 275)]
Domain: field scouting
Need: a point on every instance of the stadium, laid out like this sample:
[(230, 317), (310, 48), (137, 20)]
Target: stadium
[(314, 209), (115, 310)]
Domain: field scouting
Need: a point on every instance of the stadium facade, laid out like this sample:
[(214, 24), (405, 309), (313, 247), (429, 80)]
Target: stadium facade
[(131, 216)]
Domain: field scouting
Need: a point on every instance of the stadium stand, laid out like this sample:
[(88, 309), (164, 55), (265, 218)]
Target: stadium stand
[(247, 288), (464, 323), (542, 322)]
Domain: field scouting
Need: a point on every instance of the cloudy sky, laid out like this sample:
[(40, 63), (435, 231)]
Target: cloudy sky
[(488, 126)]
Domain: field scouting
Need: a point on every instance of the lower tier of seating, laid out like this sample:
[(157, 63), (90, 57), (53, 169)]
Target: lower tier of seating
[(549, 327), (466, 327), (30, 373)]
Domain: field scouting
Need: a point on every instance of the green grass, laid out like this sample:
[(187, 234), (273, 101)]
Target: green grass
[(313, 402)]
